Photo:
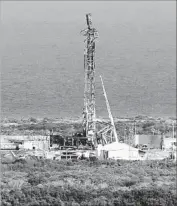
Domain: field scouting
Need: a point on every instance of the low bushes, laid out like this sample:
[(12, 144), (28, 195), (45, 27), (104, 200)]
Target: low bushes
[(63, 196), (84, 183)]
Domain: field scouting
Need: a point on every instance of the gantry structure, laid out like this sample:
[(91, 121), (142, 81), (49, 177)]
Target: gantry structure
[(107, 133), (89, 115)]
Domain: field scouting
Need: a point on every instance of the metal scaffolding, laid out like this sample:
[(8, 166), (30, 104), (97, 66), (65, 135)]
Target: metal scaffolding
[(89, 116)]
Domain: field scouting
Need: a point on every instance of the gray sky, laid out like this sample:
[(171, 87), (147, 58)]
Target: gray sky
[(103, 11), (41, 41)]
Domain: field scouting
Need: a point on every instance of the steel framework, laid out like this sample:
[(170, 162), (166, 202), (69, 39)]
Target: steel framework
[(89, 115), (107, 133)]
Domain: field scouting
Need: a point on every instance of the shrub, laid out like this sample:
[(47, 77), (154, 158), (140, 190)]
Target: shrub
[(35, 179), (88, 183), (34, 120)]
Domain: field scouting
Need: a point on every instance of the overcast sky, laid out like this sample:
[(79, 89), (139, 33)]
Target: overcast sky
[(41, 41), (31, 11)]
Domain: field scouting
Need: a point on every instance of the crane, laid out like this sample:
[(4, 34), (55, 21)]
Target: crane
[(108, 133)]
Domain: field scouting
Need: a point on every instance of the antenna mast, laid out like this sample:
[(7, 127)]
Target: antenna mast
[(89, 123)]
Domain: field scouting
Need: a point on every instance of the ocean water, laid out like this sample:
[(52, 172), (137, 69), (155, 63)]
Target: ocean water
[(42, 58)]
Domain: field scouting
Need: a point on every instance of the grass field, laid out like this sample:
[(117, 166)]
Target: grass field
[(65, 183)]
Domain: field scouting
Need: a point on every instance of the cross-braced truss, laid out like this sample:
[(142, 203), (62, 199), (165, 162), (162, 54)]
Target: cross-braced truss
[(89, 90), (107, 133)]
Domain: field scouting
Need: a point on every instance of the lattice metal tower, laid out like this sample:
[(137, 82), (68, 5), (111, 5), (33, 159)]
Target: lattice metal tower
[(89, 123)]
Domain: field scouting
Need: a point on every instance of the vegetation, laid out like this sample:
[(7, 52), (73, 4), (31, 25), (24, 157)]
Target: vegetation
[(84, 183), (144, 125)]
